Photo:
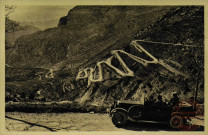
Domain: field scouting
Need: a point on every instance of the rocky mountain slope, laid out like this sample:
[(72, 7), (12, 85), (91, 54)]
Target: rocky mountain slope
[(89, 31), (12, 37), (43, 66)]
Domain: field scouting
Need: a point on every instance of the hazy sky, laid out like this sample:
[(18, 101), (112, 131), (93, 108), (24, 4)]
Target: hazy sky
[(39, 13)]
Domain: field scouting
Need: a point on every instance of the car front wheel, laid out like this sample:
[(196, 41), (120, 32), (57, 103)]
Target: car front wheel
[(119, 118)]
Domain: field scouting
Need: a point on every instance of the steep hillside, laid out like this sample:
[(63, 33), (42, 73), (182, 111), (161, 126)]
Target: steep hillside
[(178, 26), (89, 34), (12, 37), (90, 31)]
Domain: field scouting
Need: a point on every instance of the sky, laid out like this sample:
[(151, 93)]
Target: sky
[(39, 13)]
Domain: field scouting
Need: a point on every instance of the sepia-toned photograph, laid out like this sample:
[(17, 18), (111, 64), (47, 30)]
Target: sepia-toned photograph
[(104, 68)]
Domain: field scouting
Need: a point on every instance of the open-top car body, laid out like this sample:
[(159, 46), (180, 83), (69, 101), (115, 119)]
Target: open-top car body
[(175, 116)]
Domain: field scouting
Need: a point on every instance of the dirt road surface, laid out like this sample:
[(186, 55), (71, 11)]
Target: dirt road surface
[(73, 122)]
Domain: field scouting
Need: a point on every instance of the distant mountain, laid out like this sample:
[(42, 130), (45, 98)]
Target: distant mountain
[(43, 65), (42, 24), (13, 36), (90, 32)]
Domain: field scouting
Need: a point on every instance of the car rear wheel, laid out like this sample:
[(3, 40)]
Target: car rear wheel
[(176, 122), (119, 118)]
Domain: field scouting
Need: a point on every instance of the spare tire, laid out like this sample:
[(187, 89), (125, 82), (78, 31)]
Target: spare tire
[(119, 118)]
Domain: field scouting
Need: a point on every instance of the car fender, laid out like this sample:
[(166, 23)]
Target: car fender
[(118, 109), (134, 106), (136, 109)]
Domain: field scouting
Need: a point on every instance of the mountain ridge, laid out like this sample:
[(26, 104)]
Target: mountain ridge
[(89, 35)]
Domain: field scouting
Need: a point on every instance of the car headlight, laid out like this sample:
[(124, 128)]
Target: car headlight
[(118, 102)]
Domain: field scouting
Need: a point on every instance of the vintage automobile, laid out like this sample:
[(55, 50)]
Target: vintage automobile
[(176, 116)]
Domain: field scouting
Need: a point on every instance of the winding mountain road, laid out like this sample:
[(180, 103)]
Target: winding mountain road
[(97, 76)]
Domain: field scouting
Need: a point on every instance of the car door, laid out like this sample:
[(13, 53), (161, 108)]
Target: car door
[(156, 113)]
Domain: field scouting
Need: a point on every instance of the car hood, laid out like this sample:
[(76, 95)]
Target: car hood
[(129, 102)]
